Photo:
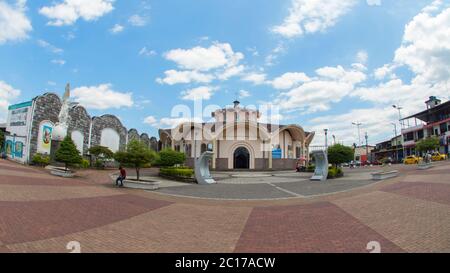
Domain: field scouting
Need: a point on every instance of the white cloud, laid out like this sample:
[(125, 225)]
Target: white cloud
[(175, 77), (374, 2), (174, 122), (244, 94), (204, 59), (7, 95), (384, 71), (50, 47), (230, 72), (68, 12), (203, 64), (310, 16), (199, 93), (14, 24), (147, 52), (101, 97), (117, 28), (137, 20), (274, 54), (378, 127), (289, 80), (330, 85), (362, 56), (59, 62), (255, 78), (425, 49), (152, 121)]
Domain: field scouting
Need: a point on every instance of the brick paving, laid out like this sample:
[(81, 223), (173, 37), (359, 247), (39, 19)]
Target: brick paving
[(42, 213)]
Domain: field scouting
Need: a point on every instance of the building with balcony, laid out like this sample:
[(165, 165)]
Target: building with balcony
[(434, 121), (392, 149)]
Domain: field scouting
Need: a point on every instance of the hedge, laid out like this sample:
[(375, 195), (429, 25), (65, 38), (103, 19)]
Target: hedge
[(177, 172)]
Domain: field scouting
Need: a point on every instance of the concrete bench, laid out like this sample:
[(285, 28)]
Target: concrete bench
[(141, 185), (384, 175)]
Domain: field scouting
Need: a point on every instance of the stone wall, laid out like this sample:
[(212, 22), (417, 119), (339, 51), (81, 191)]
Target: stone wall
[(47, 107), (133, 135), (154, 144), (80, 121), (108, 121), (145, 139)]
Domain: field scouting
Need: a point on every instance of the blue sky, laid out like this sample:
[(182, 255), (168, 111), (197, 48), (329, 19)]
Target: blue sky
[(342, 60)]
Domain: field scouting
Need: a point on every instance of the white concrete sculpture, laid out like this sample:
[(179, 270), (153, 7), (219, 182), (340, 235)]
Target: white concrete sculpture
[(202, 173), (60, 130), (321, 161)]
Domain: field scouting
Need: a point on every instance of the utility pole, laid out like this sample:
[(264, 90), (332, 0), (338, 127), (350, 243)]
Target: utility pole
[(358, 125)]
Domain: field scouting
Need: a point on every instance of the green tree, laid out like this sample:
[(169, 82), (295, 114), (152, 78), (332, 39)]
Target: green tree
[(169, 158), (2, 140), (136, 155), (428, 144), (68, 153), (101, 152), (338, 154)]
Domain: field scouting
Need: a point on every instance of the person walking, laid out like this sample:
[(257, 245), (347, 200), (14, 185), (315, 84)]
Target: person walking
[(122, 177)]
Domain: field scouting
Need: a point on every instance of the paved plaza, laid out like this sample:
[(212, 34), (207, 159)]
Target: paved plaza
[(244, 212)]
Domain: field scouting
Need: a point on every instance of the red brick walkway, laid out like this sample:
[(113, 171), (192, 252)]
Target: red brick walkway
[(41, 213)]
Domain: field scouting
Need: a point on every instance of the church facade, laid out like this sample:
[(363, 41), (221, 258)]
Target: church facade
[(239, 141)]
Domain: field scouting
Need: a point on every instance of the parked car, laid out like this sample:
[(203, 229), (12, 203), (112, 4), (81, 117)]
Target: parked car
[(412, 159), (376, 162), (436, 156)]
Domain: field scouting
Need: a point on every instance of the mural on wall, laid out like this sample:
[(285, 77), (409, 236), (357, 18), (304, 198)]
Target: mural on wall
[(18, 149), (9, 147), (45, 137)]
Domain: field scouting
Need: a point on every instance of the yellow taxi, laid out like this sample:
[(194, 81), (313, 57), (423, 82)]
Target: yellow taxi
[(412, 159), (436, 156)]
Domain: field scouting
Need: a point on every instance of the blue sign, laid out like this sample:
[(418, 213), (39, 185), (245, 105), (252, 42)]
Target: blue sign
[(276, 154)]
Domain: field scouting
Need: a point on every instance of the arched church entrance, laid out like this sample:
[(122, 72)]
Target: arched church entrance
[(241, 158)]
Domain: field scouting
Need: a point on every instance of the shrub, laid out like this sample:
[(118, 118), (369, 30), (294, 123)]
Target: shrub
[(41, 160), (334, 172), (169, 158), (311, 168), (99, 164), (85, 164), (177, 172), (2, 140)]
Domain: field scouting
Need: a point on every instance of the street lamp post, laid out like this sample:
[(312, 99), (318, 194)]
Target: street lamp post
[(399, 108), (334, 140), (358, 124), (367, 146), (326, 139), (395, 139)]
